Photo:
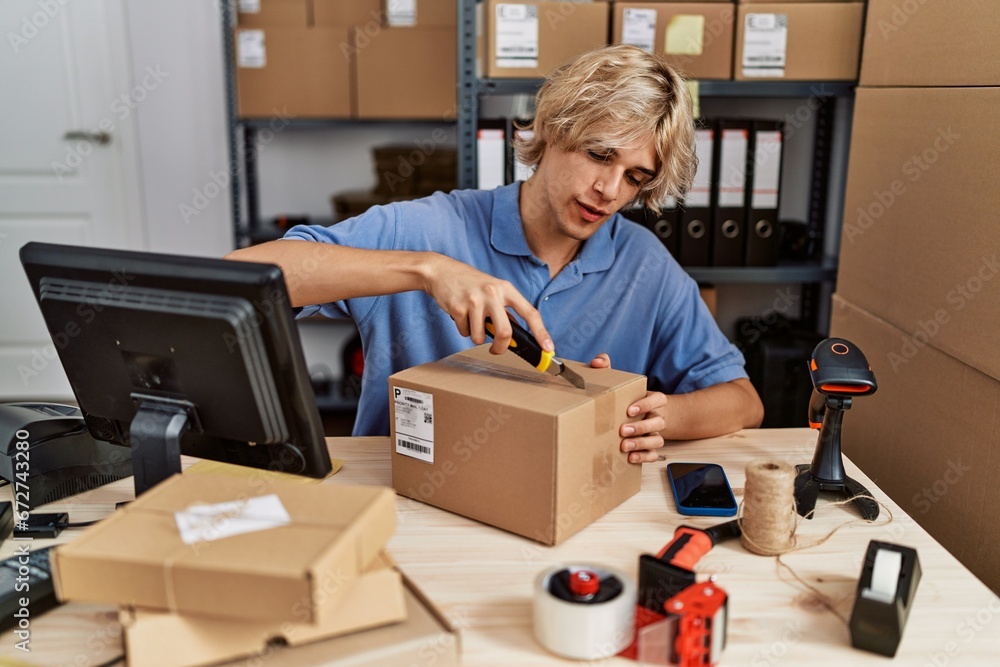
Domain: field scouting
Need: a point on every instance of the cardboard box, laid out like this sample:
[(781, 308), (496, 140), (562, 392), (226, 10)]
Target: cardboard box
[(695, 37), (501, 443), (335, 13), (159, 639), (293, 72), (920, 43), (273, 14), (139, 556), (425, 639), (927, 437), (535, 38), (406, 73), (798, 42), (710, 295), (919, 241)]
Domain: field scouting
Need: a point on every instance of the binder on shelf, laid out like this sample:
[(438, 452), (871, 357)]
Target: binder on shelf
[(663, 224), (730, 179), (766, 147), (491, 162), (518, 170), (696, 212)]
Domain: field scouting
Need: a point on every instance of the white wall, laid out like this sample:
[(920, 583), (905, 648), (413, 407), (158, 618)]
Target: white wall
[(181, 123)]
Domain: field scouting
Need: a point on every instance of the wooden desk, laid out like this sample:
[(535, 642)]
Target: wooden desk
[(482, 577)]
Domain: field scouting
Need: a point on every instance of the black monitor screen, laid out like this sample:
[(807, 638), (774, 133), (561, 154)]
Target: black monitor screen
[(169, 349)]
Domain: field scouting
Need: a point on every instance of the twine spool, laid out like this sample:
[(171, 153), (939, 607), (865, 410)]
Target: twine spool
[(768, 521)]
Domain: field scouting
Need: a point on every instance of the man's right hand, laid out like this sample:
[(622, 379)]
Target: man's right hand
[(469, 296)]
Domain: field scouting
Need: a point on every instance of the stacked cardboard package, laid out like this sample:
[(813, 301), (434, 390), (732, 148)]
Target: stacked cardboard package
[(919, 278), (208, 568)]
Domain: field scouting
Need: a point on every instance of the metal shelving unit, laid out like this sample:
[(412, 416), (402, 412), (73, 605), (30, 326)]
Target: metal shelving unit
[(829, 164)]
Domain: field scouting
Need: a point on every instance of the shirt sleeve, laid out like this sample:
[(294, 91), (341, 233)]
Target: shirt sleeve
[(689, 351), (375, 229)]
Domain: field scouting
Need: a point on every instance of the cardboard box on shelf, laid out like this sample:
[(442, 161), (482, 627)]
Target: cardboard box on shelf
[(160, 639), (178, 547), (927, 437), (406, 73), (531, 39), (798, 42), (918, 247), (367, 14), (273, 13), (491, 438), (695, 37), (931, 44), (293, 73)]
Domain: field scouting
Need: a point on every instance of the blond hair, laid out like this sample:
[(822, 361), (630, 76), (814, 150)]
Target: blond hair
[(628, 96)]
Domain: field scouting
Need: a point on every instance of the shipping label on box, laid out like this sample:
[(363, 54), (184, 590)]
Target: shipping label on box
[(765, 45), (512, 447), (516, 35)]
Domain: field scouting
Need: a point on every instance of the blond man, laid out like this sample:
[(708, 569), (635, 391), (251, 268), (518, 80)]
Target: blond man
[(419, 278)]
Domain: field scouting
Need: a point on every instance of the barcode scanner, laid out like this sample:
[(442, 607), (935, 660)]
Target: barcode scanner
[(839, 372)]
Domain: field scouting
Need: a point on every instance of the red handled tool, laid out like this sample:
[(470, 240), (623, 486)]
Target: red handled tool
[(695, 614)]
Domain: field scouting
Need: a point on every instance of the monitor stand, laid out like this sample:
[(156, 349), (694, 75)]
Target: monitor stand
[(156, 433)]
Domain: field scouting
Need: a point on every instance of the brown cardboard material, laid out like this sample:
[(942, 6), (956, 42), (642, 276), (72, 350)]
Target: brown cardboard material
[(920, 43), (919, 243), (159, 639), (927, 437), (275, 14), (710, 295), (513, 447), (306, 75), (698, 53), (137, 557), (823, 41), (336, 13), (425, 639), (429, 13), (565, 30), (406, 73)]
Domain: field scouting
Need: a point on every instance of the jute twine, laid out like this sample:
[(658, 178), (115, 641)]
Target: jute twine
[(768, 520)]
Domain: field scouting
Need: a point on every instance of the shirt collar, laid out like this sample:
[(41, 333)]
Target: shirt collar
[(507, 233)]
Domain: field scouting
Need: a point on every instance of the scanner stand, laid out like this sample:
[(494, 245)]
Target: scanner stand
[(155, 436), (826, 472)]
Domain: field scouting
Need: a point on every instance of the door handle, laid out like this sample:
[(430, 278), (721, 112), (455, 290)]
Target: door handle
[(93, 137)]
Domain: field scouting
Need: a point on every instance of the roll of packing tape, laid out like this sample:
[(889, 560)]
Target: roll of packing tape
[(584, 612)]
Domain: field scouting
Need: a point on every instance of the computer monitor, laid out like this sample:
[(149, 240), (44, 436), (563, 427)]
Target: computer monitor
[(180, 355)]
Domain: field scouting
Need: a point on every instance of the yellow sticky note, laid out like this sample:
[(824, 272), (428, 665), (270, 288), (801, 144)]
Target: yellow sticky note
[(692, 85), (685, 35)]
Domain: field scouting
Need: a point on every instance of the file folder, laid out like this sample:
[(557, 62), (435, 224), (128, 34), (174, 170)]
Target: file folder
[(663, 224), (696, 213), (730, 179), (491, 154), (766, 147)]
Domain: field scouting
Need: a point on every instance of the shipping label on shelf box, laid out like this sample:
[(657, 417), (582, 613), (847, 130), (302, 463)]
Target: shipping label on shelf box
[(516, 35), (249, 6), (250, 50), (401, 12), (639, 28), (765, 45)]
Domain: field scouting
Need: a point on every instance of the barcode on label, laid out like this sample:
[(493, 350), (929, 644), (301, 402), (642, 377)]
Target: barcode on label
[(414, 446), (411, 399)]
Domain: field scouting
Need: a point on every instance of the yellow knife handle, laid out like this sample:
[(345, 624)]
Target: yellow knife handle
[(524, 345)]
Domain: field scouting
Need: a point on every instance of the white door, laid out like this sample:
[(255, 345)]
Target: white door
[(67, 162)]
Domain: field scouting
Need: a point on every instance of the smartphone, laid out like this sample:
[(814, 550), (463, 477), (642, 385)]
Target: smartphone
[(701, 489)]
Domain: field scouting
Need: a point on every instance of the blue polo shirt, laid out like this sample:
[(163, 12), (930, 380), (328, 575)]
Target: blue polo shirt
[(623, 294)]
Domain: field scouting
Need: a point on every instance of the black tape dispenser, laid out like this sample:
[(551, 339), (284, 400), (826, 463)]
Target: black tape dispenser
[(839, 372), (888, 583)]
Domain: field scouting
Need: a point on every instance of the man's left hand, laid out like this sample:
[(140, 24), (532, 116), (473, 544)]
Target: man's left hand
[(640, 438)]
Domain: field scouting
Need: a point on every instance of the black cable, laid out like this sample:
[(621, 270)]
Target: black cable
[(80, 524)]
